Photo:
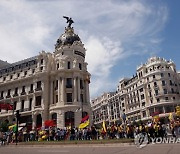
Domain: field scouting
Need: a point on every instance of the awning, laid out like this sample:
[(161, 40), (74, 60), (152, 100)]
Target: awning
[(22, 125), (20, 128)]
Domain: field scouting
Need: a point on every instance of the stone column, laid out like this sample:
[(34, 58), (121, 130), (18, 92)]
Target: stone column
[(51, 92), (60, 119), (87, 92), (63, 90), (78, 87), (75, 90), (33, 101), (77, 116), (59, 90), (34, 118)]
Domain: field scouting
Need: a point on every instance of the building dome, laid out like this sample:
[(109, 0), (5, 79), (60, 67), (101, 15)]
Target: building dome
[(67, 38)]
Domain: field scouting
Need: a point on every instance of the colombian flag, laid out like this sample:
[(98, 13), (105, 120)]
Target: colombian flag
[(84, 122)]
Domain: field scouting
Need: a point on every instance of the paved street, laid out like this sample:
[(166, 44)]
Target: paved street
[(92, 149)]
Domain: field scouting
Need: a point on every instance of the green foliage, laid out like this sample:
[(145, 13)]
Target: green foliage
[(4, 125)]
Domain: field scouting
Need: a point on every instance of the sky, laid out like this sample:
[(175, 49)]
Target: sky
[(119, 35)]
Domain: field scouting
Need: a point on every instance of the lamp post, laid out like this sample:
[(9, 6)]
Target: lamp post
[(17, 122)]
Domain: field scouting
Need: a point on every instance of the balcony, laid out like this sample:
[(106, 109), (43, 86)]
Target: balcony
[(8, 96), (15, 95), (31, 91), (1, 98), (38, 89), (23, 93)]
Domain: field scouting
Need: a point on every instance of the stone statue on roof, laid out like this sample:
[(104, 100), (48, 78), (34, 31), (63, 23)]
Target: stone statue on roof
[(69, 21)]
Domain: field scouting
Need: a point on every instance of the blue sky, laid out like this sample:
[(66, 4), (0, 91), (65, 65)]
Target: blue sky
[(119, 35)]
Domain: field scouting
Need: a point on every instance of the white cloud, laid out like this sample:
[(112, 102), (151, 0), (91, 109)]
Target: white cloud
[(110, 30)]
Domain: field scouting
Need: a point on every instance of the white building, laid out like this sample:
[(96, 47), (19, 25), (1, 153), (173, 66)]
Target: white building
[(154, 88), (49, 85)]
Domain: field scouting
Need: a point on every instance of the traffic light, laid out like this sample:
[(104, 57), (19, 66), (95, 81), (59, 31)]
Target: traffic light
[(177, 110)]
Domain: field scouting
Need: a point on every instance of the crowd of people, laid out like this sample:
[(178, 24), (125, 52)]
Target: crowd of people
[(114, 131)]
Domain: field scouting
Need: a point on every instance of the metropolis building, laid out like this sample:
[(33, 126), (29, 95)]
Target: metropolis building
[(49, 86), (154, 89)]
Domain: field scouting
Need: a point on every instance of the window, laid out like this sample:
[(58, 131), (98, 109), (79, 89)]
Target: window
[(9, 92), (23, 89), (174, 98), (69, 97), (25, 73), (18, 74), (11, 77), (41, 61), (141, 90), (14, 105), (142, 96), (39, 85), (143, 104), (69, 83), (150, 95), (80, 66), (2, 92), (69, 65), (144, 113), (162, 75), (22, 105), (56, 85), (56, 98), (158, 100), (31, 87), (154, 76), (172, 90), (57, 66), (166, 98), (155, 84), (163, 83), (38, 100), (170, 82), (30, 104), (81, 97), (169, 74), (156, 92), (81, 84), (165, 91)]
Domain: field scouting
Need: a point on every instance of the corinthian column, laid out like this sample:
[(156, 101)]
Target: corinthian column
[(59, 90), (78, 87), (87, 92), (75, 90), (62, 89)]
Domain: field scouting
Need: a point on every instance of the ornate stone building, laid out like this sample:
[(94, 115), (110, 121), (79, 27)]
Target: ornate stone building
[(49, 85), (154, 88)]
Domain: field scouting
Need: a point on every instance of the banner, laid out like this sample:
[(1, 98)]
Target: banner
[(6, 106)]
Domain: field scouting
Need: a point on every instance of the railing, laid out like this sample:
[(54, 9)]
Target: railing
[(38, 89)]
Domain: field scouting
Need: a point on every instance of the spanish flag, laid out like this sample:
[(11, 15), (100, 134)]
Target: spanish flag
[(84, 122), (104, 126)]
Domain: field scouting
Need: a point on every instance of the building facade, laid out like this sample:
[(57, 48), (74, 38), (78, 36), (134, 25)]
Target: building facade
[(48, 86), (154, 89)]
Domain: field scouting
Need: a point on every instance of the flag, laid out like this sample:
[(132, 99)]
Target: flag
[(171, 118), (155, 116), (104, 126), (178, 110), (84, 122), (49, 123)]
